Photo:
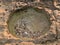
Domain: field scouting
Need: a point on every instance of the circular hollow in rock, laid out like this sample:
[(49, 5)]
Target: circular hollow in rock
[(29, 23)]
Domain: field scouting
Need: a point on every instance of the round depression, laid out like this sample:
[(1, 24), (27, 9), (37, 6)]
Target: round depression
[(29, 22)]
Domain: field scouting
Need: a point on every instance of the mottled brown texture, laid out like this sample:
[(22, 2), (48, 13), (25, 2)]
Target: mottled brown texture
[(50, 38)]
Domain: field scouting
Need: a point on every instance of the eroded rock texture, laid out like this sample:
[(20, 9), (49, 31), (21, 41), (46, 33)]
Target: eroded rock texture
[(52, 35)]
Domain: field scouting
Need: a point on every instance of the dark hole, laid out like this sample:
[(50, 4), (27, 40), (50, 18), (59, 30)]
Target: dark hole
[(0, 5), (6, 9), (0, 1), (16, 44), (58, 5)]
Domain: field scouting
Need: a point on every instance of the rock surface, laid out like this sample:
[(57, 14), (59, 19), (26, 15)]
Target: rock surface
[(52, 37)]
